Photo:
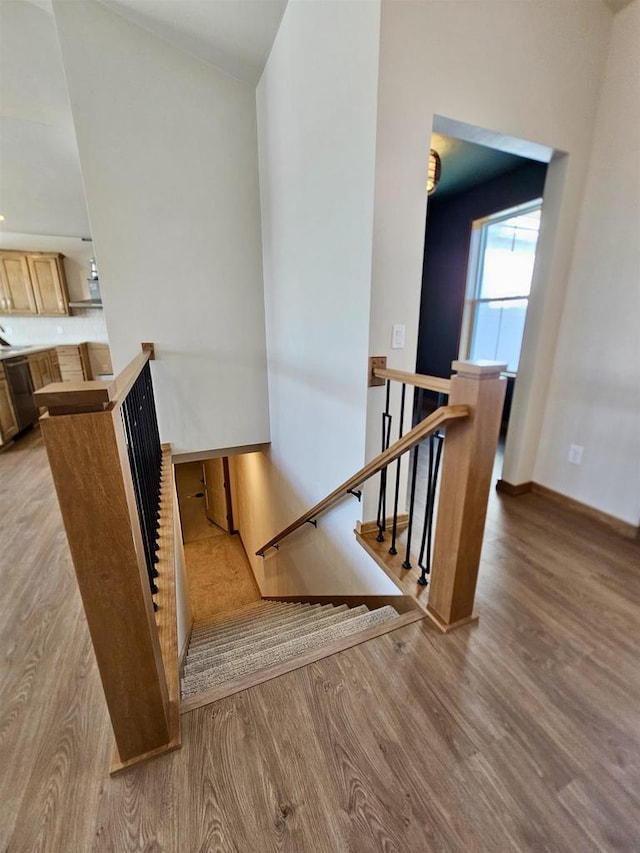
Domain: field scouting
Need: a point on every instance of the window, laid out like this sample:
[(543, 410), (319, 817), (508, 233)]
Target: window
[(501, 259)]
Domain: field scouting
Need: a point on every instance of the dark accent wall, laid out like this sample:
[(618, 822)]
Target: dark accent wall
[(446, 250)]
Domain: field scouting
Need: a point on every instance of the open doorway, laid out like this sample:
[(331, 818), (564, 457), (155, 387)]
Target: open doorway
[(482, 225), (219, 577), (204, 498)]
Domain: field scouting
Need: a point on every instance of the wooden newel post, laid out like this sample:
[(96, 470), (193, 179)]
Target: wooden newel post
[(87, 450), (469, 452)]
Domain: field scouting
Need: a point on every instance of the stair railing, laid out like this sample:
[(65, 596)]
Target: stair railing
[(464, 452), (434, 422), (114, 482), (439, 390)]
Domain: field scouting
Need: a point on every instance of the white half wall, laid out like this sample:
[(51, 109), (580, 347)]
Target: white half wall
[(594, 400), (168, 150), (529, 71), (317, 127)]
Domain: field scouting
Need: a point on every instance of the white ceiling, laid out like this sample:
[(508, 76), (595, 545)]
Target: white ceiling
[(234, 35)]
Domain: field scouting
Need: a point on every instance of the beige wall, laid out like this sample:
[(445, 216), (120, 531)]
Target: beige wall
[(316, 123), (530, 71), (169, 157), (594, 399)]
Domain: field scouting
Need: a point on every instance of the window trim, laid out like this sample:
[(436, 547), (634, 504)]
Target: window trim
[(477, 242)]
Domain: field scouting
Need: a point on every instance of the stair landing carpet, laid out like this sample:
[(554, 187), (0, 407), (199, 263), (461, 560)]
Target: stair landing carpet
[(265, 633)]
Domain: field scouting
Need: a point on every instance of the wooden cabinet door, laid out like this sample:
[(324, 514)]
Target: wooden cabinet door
[(56, 376), (49, 285), (8, 424), (71, 363), (35, 371), (16, 293), (46, 370)]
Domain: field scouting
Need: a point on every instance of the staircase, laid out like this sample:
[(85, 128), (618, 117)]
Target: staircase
[(240, 643)]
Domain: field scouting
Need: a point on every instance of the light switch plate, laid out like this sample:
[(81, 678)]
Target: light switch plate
[(397, 336)]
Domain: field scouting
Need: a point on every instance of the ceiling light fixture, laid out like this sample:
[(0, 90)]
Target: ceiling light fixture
[(433, 172)]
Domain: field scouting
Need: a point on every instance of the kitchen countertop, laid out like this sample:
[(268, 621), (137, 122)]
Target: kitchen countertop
[(14, 352)]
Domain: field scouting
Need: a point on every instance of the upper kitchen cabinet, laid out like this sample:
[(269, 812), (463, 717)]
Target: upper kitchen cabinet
[(33, 283), (16, 292), (49, 283)]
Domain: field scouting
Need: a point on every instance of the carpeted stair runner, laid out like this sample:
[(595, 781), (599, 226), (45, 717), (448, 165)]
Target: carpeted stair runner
[(265, 633)]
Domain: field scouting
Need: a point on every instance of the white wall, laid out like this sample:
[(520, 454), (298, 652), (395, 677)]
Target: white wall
[(169, 159), (40, 182), (526, 70), (316, 122), (594, 399)]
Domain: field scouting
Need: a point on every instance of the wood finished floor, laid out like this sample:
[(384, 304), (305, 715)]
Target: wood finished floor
[(521, 733)]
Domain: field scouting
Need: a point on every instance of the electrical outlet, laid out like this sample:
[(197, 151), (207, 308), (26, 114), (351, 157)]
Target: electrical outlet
[(60, 330), (575, 454)]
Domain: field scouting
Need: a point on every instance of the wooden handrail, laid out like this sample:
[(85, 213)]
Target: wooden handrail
[(419, 380), (435, 421), (67, 398)]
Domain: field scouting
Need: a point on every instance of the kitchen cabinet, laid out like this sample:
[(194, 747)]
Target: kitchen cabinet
[(8, 423), (40, 369), (55, 366), (100, 359), (16, 292), (33, 283), (73, 360), (49, 284)]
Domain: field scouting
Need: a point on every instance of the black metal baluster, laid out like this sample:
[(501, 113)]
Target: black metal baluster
[(434, 467), (426, 506), (414, 471), (145, 459), (382, 496), (394, 531)]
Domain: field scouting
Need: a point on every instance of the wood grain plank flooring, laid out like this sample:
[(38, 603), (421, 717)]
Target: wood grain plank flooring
[(520, 733)]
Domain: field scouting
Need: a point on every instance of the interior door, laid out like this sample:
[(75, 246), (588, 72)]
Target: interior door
[(217, 492)]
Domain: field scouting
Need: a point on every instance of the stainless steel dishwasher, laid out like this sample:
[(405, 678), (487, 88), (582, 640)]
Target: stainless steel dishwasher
[(21, 387)]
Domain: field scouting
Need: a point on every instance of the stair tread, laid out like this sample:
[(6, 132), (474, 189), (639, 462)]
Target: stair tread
[(279, 635), (236, 614), (285, 651), (242, 619), (213, 644), (248, 624)]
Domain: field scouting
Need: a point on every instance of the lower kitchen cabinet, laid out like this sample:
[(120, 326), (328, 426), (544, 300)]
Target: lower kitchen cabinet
[(73, 360), (40, 369), (8, 423)]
